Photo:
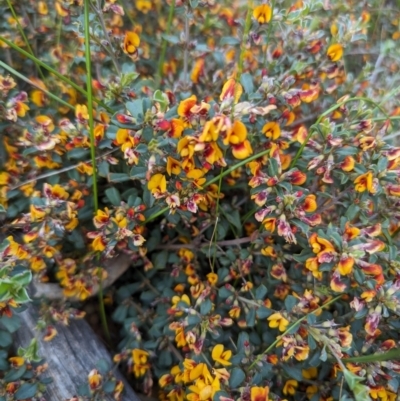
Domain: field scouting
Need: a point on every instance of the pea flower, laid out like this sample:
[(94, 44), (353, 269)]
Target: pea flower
[(219, 355)]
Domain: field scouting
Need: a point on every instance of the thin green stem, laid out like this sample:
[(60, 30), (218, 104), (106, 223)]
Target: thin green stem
[(326, 113), (109, 50), (246, 31), (21, 31), (291, 327), (393, 354), (165, 44), (54, 72), (269, 31), (216, 222), (93, 150), (215, 179), (49, 94), (90, 105)]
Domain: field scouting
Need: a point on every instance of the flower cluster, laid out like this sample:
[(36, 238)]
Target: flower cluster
[(243, 157)]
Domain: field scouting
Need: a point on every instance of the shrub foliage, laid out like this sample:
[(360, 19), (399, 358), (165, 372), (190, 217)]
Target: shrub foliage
[(243, 156)]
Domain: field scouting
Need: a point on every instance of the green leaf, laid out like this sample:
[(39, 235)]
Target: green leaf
[(109, 386), (290, 302), (27, 390), (103, 366), (251, 317), (14, 375), (237, 378), (5, 338), (23, 279), (138, 172), (118, 177), (162, 99), (261, 292), (205, 307), (293, 372), (120, 313), (11, 324), (135, 108), (160, 259), (113, 196), (247, 81), (263, 312), (78, 153)]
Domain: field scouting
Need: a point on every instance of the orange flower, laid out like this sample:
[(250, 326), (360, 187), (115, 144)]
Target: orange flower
[(365, 182), (270, 224), (186, 105), (345, 265), (310, 203), (231, 89), (297, 177), (198, 70), (335, 52), (348, 163), (259, 393), (262, 13), (272, 130), (131, 44), (94, 379)]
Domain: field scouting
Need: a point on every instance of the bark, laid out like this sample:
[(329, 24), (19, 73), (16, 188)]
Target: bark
[(71, 355)]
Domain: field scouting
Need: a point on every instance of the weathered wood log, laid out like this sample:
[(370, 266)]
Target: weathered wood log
[(71, 355)]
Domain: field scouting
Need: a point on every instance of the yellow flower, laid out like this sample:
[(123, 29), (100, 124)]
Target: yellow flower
[(16, 361), (46, 122), (345, 265), (143, 5), (277, 320), (262, 13), (99, 243), (259, 393), (202, 391), (335, 52), (176, 299), (365, 182), (131, 44), (272, 130), (157, 185), (231, 89), (94, 379), (81, 112), (310, 373), (173, 166), (139, 356), (219, 355), (37, 213), (290, 387), (186, 105), (197, 176), (212, 278), (42, 8), (124, 139)]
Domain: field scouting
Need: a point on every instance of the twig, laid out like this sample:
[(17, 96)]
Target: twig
[(103, 26), (114, 268), (63, 170), (186, 52), (229, 242)]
